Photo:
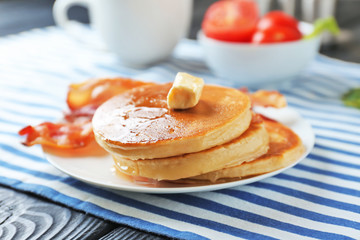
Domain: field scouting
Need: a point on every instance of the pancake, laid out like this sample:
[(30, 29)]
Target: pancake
[(285, 148), (250, 145), (139, 125)]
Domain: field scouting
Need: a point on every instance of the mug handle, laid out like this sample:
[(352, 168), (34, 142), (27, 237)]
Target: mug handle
[(61, 8), (76, 29)]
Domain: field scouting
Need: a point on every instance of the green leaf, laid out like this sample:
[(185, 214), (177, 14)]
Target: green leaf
[(324, 24), (352, 98)]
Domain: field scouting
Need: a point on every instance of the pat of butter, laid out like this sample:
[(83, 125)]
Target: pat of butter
[(185, 92)]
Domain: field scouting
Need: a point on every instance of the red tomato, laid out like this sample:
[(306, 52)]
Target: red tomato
[(278, 18), (275, 34), (231, 20)]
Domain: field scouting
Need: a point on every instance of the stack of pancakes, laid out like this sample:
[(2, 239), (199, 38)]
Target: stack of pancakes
[(218, 139)]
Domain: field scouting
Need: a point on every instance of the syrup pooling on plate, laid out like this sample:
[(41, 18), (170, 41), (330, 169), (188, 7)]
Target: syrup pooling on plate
[(152, 183)]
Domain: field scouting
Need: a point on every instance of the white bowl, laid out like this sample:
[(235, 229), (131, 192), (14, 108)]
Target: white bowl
[(250, 65)]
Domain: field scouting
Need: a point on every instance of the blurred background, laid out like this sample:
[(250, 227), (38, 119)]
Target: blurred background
[(21, 15)]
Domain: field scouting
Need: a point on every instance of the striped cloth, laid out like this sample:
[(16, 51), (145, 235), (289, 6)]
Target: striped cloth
[(317, 199)]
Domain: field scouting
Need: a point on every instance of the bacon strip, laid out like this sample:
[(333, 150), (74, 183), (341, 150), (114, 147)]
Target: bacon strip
[(266, 98), (75, 130), (97, 91), (61, 135)]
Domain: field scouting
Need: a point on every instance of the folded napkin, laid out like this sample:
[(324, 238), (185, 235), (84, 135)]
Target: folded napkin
[(318, 198)]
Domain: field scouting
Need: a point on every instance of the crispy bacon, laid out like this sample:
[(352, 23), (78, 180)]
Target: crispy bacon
[(84, 112), (256, 117), (75, 130), (61, 135), (97, 91), (266, 98)]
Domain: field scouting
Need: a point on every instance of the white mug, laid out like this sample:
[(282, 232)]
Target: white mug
[(140, 32)]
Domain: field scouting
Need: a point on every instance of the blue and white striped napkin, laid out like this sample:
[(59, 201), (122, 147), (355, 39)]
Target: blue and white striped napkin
[(317, 199)]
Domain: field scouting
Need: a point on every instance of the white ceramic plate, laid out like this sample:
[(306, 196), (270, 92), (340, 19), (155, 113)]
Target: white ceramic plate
[(101, 172)]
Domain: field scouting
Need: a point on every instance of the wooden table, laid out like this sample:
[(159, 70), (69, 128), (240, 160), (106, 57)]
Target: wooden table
[(22, 214)]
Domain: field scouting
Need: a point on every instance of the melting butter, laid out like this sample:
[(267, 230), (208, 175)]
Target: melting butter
[(185, 92)]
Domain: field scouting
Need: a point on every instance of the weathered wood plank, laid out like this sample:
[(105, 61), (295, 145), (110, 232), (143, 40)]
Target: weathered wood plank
[(126, 233), (25, 216)]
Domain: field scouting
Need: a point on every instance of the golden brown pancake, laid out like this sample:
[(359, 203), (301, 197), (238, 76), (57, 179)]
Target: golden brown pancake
[(250, 145), (285, 147), (139, 125)]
